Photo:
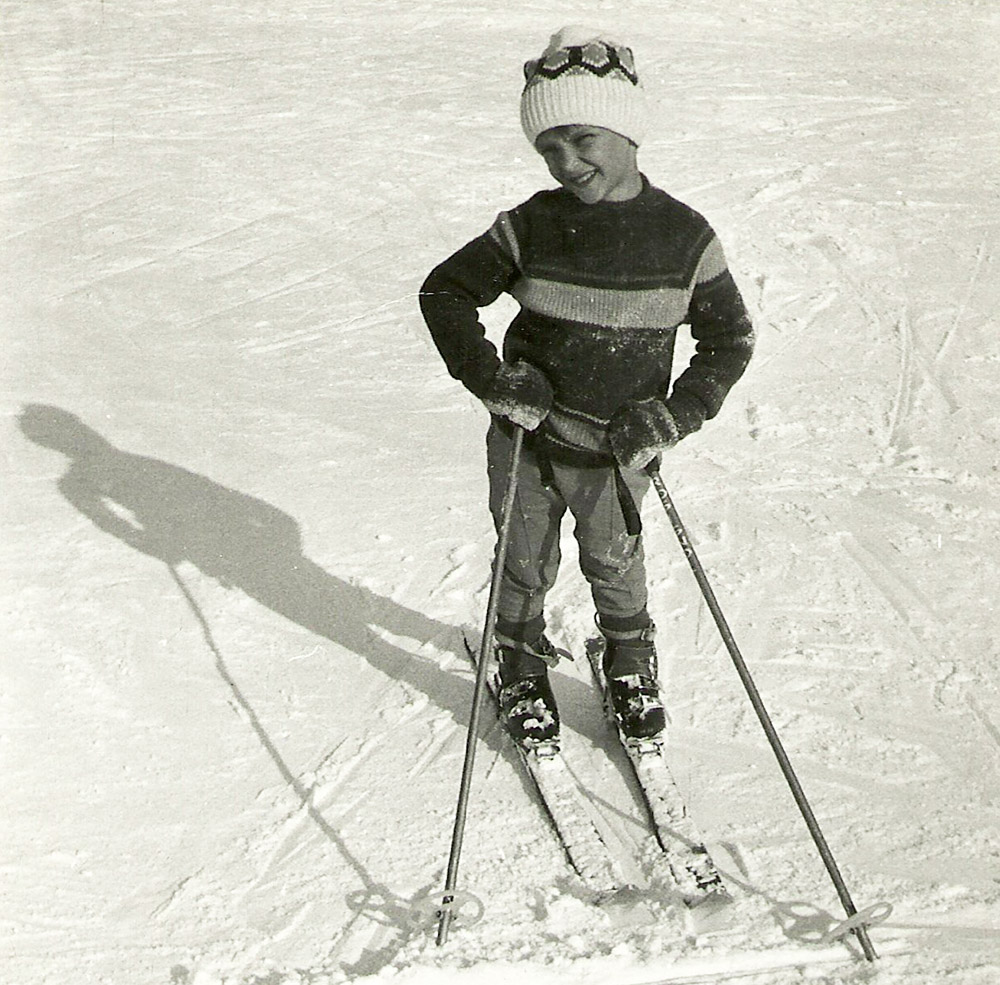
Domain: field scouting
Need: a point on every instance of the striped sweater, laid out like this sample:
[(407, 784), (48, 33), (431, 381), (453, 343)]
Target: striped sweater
[(603, 289)]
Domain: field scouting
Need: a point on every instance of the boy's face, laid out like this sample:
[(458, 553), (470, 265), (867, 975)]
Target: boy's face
[(595, 164)]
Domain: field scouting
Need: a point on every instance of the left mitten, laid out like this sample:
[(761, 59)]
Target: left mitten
[(640, 430), (521, 393)]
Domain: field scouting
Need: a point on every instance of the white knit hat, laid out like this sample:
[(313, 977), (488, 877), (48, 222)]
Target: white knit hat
[(583, 78)]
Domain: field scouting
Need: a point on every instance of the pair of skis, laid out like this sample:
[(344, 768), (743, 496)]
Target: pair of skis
[(690, 865)]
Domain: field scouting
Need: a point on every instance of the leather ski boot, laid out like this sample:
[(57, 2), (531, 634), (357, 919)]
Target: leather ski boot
[(630, 669), (527, 704)]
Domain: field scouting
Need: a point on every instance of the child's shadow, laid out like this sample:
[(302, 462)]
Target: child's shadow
[(175, 515)]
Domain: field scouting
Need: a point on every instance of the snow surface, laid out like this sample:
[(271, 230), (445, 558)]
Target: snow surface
[(244, 512)]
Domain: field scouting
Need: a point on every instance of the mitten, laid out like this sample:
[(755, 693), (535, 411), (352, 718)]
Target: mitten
[(640, 430), (521, 393)]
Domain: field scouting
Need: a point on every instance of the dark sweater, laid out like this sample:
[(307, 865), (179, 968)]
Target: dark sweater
[(603, 289)]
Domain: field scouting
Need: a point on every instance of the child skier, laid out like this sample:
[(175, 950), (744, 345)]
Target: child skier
[(605, 269)]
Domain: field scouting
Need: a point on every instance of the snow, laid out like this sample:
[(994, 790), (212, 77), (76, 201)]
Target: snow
[(244, 519)]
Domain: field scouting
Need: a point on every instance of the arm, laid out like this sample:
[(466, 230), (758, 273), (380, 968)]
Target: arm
[(449, 300), (724, 340), (470, 279)]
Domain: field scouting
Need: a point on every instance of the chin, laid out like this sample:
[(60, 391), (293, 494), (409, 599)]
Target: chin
[(589, 196)]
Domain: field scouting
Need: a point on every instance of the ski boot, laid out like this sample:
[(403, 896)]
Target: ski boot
[(527, 704), (630, 670)]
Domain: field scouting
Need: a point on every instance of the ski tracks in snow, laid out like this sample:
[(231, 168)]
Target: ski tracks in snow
[(218, 220)]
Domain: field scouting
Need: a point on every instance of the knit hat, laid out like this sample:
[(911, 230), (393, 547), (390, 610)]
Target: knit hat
[(586, 79)]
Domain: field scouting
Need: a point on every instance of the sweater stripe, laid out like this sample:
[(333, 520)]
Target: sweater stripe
[(502, 233), (571, 432), (712, 263), (647, 309)]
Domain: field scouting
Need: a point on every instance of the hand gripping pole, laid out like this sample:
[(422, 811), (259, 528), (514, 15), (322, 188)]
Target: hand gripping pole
[(482, 665), (856, 925)]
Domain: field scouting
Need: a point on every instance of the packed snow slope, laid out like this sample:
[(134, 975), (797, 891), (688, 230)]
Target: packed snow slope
[(244, 518)]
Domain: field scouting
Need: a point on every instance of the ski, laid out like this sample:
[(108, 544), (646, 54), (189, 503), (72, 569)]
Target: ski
[(689, 861), (566, 807)]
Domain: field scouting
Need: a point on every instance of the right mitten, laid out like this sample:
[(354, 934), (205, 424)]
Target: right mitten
[(521, 393)]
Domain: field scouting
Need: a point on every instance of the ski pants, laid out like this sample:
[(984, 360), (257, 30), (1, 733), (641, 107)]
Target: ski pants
[(611, 558)]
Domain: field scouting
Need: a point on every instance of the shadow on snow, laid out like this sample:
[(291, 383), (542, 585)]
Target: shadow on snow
[(175, 515)]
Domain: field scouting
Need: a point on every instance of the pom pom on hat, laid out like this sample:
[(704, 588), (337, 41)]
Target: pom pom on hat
[(586, 78)]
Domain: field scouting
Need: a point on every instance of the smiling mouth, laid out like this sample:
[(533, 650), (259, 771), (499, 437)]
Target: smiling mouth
[(580, 181)]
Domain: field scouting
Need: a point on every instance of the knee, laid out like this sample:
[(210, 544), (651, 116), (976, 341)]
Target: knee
[(613, 560)]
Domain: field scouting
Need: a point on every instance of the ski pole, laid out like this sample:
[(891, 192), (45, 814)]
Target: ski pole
[(859, 929), (499, 557)]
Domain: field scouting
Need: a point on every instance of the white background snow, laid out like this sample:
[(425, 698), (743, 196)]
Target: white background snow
[(244, 514)]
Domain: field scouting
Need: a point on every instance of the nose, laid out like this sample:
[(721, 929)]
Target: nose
[(566, 160)]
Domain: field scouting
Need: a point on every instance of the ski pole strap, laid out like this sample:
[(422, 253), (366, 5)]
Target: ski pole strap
[(633, 522), (545, 471), (630, 513)]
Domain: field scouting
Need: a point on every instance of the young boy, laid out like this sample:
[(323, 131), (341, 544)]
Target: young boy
[(605, 269)]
